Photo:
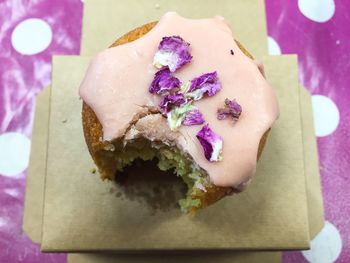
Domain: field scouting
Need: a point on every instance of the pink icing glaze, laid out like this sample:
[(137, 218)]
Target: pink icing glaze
[(117, 81)]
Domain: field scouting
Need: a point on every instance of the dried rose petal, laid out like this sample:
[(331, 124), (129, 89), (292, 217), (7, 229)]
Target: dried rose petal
[(176, 116), (223, 113), (172, 53), (232, 109), (211, 143), (171, 101), (207, 83), (193, 117), (164, 82)]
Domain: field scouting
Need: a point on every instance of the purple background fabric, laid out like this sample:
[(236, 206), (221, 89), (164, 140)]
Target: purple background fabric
[(324, 63), (317, 31), (21, 78)]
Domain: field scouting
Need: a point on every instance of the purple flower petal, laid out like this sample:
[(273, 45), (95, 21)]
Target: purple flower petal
[(172, 53), (232, 109), (193, 117), (171, 101), (223, 113), (207, 83), (211, 143), (164, 82)]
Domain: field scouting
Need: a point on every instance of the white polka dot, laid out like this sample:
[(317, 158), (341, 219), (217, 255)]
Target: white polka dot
[(326, 246), (274, 48), (326, 115), (3, 222), (31, 36), (12, 192), (14, 153), (317, 10)]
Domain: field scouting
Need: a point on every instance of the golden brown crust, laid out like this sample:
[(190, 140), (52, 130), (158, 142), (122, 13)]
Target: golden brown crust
[(134, 34), (93, 129)]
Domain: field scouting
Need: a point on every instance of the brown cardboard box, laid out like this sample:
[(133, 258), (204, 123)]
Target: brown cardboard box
[(199, 257), (35, 194), (35, 186), (106, 20), (82, 213)]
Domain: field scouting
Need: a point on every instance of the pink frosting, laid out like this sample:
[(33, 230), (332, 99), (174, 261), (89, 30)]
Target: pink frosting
[(117, 81)]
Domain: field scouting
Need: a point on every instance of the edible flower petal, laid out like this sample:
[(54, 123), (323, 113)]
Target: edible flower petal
[(177, 115), (173, 52), (223, 113), (172, 100), (211, 143), (207, 83), (193, 117), (232, 109), (164, 82)]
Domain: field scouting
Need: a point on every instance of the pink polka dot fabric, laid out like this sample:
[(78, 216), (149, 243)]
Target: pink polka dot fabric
[(30, 33), (317, 30)]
